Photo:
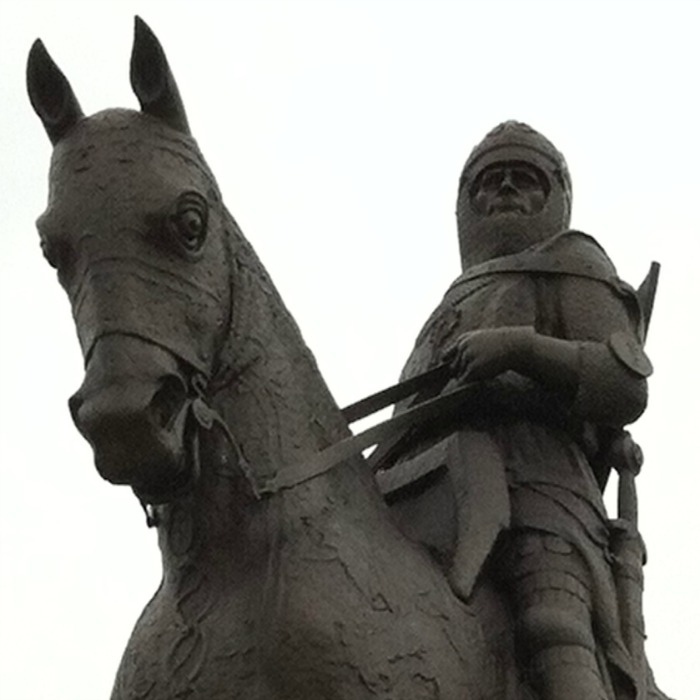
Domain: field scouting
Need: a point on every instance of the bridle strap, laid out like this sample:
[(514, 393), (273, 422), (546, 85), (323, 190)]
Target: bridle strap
[(462, 398)]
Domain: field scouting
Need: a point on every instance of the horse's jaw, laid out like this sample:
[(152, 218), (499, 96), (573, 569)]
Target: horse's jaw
[(218, 525)]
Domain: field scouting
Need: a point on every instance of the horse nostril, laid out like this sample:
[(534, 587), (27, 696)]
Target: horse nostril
[(168, 401)]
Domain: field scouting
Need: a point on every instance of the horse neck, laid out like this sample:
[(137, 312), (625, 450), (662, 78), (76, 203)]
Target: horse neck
[(274, 399), (279, 412)]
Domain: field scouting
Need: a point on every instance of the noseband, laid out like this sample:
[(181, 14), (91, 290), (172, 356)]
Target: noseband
[(200, 417), (97, 297)]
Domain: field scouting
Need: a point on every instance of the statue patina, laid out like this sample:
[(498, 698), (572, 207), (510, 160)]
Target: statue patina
[(551, 341), (284, 574), (200, 394)]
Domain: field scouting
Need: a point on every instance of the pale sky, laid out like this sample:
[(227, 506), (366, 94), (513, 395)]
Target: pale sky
[(337, 130)]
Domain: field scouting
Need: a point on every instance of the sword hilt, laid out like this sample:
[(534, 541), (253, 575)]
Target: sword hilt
[(626, 457)]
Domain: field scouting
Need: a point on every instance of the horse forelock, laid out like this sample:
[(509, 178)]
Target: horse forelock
[(116, 138)]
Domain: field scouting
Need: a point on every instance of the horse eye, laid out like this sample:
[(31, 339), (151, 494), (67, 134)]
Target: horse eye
[(188, 223), (191, 227)]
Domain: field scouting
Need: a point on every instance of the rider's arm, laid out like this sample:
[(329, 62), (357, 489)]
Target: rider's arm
[(603, 377)]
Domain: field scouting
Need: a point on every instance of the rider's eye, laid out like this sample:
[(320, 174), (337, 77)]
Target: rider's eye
[(491, 180), (187, 223), (524, 179)]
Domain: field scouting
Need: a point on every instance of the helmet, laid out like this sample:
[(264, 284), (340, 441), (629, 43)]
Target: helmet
[(483, 237)]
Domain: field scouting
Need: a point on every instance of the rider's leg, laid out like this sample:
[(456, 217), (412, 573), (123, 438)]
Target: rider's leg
[(549, 588)]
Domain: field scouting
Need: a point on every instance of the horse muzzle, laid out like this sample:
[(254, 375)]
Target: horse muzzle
[(133, 409)]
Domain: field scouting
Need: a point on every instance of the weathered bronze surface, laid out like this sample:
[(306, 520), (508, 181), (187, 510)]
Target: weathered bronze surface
[(507, 489), (199, 387), (504, 578)]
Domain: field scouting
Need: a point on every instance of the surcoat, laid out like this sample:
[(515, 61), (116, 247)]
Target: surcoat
[(526, 456), (523, 457)]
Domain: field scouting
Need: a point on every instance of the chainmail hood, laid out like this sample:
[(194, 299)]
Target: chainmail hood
[(485, 237)]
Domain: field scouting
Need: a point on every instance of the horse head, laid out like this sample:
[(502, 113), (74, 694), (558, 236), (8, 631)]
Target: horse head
[(138, 234), (308, 590)]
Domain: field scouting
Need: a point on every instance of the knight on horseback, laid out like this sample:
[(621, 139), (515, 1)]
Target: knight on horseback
[(552, 342)]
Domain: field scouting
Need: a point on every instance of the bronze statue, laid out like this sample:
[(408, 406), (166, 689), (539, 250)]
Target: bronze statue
[(284, 573), (201, 395), (551, 343)]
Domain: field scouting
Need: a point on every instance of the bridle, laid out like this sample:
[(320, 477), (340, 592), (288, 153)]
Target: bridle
[(98, 313), (201, 416)]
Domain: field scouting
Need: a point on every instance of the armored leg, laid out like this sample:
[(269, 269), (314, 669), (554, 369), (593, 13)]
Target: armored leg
[(551, 598)]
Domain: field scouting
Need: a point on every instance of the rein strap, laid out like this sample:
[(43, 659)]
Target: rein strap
[(332, 456)]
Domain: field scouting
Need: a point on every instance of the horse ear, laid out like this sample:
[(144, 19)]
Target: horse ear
[(50, 93), (152, 80)]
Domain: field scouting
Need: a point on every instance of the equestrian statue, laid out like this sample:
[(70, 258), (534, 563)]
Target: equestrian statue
[(470, 556)]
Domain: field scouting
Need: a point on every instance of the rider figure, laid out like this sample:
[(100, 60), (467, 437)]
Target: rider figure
[(541, 323)]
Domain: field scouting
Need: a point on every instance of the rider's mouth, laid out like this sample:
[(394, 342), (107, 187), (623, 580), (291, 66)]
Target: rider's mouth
[(507, 207)]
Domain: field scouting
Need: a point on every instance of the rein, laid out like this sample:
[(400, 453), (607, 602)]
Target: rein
[(202, 416), (207, 418)]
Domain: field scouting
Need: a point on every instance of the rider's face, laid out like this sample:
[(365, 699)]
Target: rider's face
[(509, 187)]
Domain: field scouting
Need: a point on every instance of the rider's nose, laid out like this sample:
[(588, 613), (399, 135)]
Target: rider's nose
[(507, 184)]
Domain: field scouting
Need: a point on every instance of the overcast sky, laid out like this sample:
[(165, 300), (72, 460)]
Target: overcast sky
[(337, 131)]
